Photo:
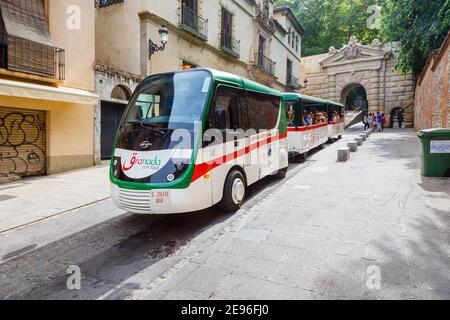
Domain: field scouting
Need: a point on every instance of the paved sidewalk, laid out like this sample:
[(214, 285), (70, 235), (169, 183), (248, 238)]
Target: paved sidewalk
[(30, 200), (331, 231)]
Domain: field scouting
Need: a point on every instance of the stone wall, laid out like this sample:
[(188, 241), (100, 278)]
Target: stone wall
[(432, 98)]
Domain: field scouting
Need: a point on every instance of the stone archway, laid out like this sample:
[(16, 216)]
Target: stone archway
[(393, 120), (332, 75), (121, 92), (354, 97)]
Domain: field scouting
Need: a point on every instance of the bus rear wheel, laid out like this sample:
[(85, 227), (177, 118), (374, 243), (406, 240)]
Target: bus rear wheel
[(299, 158), (234, 192)]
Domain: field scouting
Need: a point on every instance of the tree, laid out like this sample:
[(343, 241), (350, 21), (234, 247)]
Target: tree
[(331, 22), (420, 26)]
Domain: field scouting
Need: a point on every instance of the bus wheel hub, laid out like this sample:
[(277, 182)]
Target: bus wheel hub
[(238, 191)]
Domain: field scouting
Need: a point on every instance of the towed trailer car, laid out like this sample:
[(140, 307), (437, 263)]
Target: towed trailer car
[(302, 136)]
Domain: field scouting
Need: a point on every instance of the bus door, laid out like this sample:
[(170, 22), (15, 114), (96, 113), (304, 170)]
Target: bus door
[(229, 146)]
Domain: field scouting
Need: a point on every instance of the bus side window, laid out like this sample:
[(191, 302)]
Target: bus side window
[(225, 112)]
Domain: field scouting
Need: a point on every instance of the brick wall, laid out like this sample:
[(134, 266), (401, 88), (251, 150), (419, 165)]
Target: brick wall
[(432, 95)]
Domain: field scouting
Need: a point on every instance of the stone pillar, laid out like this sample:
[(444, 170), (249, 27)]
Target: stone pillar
[(97, 134), (145, 62), (332, 89), (373, 95)]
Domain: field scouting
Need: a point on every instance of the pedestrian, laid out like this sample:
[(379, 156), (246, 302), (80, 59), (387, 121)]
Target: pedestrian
[(366, 122), (383, 122), (400, 118), (370, 121), (379, 121)]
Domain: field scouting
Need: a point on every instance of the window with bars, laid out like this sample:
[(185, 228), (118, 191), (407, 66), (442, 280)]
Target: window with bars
[(107, 3), (26, 45)]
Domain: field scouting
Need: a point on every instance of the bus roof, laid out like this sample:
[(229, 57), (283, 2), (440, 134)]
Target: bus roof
[(291, 96), (234, 80), (242, 82)]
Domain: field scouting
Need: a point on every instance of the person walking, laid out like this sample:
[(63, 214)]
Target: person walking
[(383, 121), (379, 121), (366, 122), (370, 121), (400, 118)]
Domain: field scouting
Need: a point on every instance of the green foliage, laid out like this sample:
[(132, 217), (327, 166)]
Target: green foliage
[(332, 22), (420, 26)]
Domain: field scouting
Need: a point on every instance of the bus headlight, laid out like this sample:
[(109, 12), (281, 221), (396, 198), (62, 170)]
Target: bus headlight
[(170, 177)]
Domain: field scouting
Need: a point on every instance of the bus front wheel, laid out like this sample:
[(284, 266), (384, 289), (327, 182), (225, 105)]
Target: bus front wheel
[(234, 192)]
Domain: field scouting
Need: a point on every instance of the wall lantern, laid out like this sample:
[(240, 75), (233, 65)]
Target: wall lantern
[(164, 35), (305, 83)]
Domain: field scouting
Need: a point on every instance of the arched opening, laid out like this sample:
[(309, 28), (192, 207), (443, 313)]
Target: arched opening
[(121, 92), (396, 115), (355, 98), (111, 114)]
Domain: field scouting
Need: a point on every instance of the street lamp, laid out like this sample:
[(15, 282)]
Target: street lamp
[(305, 83), (164, 35)]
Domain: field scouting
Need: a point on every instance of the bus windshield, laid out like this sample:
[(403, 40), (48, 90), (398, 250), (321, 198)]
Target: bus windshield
[(170, 101)]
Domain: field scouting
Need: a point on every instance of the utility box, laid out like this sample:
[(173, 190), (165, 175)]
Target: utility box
[(435, 152)]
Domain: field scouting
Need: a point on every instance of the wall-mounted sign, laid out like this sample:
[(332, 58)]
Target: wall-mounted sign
[(440, 146)]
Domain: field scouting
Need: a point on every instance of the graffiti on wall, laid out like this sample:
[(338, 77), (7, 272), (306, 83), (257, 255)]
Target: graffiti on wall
[(22, 137)]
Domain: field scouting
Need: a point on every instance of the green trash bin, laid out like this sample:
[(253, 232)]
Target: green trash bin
[(435, 152)]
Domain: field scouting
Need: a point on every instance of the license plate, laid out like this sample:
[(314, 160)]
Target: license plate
[(160, 198)]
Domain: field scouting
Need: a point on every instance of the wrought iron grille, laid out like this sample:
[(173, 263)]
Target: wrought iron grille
[(292, 81), (107, 3), (193, 23), (265, 63), (229, 44), (31, 57)]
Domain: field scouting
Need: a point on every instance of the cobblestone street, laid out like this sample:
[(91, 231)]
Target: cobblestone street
[(323, 233)]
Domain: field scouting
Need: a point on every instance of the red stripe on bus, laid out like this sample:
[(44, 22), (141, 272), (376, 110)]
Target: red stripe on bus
[(336, 122), (201, 169), (308, 128)]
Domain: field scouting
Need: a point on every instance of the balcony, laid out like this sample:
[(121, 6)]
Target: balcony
[(230, 45), (107, 3), (292, 82), (26, 56), (265, 63), (192, 22)]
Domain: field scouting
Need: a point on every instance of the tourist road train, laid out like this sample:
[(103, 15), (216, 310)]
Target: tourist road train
[(193, 139)]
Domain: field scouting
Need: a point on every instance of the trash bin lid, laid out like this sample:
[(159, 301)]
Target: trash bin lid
[(438, 132)]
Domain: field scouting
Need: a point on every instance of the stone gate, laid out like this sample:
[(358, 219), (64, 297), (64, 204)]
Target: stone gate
[(332, 75)]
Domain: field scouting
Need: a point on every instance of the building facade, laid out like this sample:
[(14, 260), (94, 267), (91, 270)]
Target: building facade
[(432, 98), (47, 85), (250, 38), (368, 70)]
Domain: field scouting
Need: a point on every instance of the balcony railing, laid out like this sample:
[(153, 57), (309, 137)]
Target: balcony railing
[(107, 3), (230, 45), (193, 23), (292, 81), (265, 63), (22, 55)]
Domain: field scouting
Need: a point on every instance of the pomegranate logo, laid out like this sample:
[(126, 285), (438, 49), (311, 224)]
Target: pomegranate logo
[(144, 163)]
